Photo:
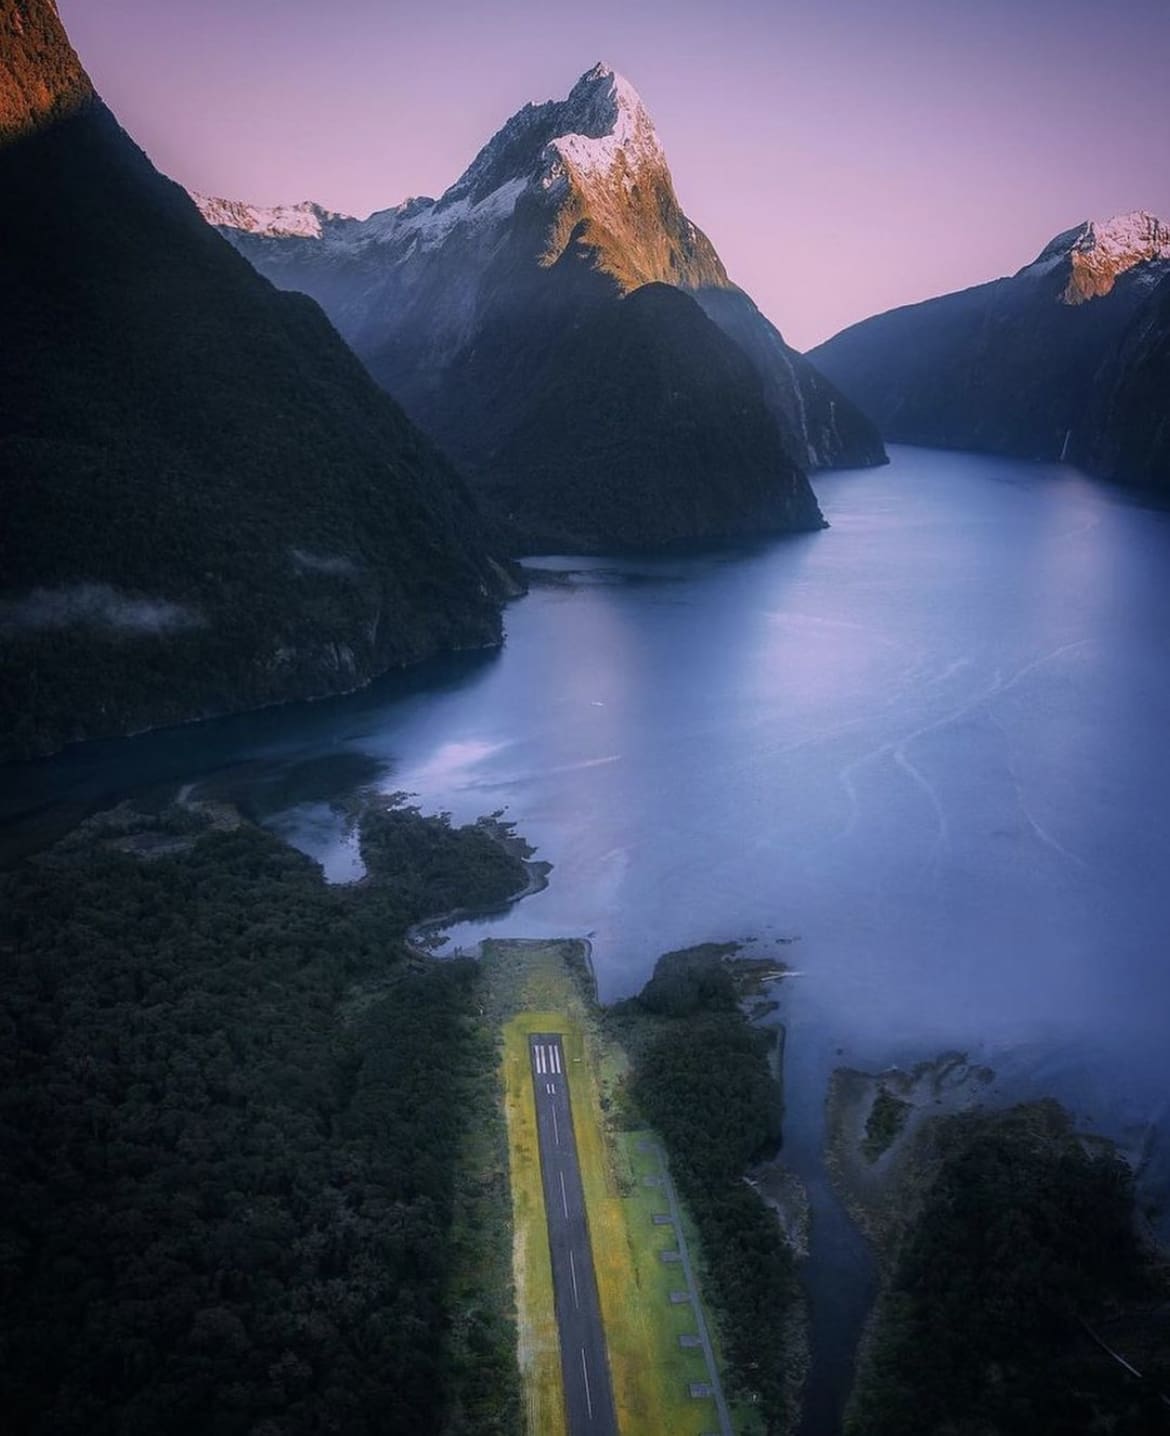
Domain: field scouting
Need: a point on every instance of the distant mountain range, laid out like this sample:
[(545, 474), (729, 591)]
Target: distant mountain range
[(208, 504), (1043, 364), (508, 318)]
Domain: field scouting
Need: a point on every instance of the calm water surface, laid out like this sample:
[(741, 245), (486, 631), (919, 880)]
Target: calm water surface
[(929, 743)]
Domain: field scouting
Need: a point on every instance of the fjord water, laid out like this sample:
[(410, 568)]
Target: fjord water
[(930, 744)]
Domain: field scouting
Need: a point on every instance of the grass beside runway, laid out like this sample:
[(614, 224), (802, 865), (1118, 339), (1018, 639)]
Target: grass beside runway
[(534, 988), (538, 1351)]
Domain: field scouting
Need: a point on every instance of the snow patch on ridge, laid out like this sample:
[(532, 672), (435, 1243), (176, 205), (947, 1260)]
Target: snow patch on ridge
[(281, 221), (421, 223), (612, 124), (1098, 251), (430, 224)]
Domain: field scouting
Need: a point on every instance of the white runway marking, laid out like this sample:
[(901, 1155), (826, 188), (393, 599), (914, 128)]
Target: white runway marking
[(556, 1132), (564, 1197), (556, 1058), (585, 1374), (573, 1274)]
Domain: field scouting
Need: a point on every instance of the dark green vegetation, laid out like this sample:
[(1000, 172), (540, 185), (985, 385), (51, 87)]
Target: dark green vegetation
[(208, 503), (1128, 433), (435, 867), (886, 1119), (701, 1078), (1022, 1235), (233, 1115), (688, 446)]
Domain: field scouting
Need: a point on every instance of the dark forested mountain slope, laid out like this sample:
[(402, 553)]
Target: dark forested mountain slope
[(208, 504), (458, 305), (1126, 433), (1009, 367), (687, 446)]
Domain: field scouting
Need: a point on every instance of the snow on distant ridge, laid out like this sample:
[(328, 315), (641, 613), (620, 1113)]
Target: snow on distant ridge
[(301, 221), (1100, 250), (1127, 239), (430, 224)]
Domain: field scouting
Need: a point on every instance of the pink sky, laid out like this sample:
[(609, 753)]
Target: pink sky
[(845, 156)]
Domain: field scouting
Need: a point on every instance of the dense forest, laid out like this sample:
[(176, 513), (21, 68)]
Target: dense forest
[(688, 450), (231, 1118), (1022, 1248), (701, 1078)]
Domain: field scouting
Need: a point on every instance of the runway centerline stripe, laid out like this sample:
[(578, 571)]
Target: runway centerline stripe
[(573, 1270), (564, 1198), (585, 1374)]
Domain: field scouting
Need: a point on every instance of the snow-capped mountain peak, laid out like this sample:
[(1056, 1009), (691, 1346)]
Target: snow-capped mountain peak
[(565, 212), (1098, 251), (582, 156), (603, 122), (281, 221), (601, 125)]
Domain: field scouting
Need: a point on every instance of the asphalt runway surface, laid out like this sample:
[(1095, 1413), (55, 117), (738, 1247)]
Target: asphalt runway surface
[(584, 1363)]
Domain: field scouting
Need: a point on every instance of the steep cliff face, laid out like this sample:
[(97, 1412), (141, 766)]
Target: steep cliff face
[(208, 503), (1009, 367), (1126, 433), (569, 207)]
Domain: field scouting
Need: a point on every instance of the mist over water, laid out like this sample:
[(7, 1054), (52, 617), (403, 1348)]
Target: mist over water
[(930, 744)]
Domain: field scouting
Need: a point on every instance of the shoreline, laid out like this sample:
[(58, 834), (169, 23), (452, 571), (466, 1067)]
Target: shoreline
[(419, 936)]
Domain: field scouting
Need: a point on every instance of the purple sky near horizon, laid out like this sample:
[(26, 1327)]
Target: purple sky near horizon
[(844, 156)]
